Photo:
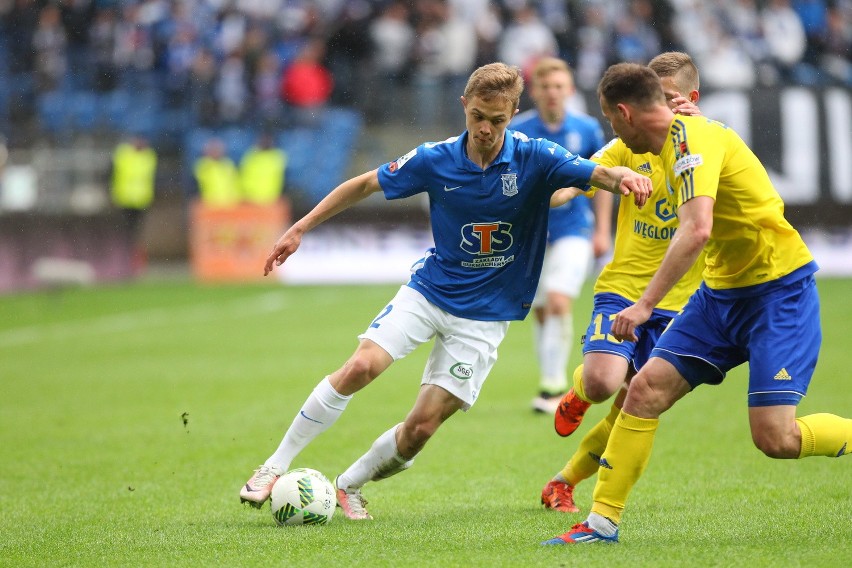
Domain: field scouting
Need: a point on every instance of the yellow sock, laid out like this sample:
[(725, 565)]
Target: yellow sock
[(626, 456), (825, 435), (585, 461), (578, 384)]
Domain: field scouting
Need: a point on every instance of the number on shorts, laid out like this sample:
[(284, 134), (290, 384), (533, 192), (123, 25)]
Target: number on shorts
[(598, 335), (385, 312)]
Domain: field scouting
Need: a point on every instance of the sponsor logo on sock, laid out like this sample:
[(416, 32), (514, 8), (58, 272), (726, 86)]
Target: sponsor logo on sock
[(306, 417), (595, 457), (783, 375), (841, 452), (604, 463)]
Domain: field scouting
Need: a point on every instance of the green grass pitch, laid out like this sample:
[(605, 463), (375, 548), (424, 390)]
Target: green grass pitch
[(130, 416)]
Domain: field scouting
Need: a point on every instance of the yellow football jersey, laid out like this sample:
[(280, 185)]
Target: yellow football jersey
[(751, 241), (642, 236)]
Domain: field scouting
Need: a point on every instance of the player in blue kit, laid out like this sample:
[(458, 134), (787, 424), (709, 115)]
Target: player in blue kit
[(575, 234), (489, 193)]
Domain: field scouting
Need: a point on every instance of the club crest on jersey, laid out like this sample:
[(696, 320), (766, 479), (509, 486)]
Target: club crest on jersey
[(510, 184)]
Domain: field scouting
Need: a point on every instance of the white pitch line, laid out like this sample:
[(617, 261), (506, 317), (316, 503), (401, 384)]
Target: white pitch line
[(129, 321)]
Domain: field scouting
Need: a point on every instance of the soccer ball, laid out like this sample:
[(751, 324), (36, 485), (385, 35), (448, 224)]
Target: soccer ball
[(303, 497)]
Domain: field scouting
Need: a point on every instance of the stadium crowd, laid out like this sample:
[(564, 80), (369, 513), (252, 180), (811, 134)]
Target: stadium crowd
[(266, 61)]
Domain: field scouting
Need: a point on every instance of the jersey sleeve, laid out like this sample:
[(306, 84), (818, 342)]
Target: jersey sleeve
[(697, 160), (609, 155), (563, 168), (405, 176)]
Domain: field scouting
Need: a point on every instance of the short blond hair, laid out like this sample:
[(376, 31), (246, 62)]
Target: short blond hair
[(496, 80), (547, 65), (679, 66)]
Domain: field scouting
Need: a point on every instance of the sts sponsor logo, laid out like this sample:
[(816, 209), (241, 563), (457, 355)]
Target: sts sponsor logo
[(484, 240)]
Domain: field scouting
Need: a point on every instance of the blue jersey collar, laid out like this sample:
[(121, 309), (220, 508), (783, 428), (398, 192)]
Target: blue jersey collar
[(504, 157)]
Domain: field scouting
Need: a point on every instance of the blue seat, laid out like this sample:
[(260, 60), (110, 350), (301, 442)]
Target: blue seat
[(237, 141), (114, 109), (319, 157), (53, 112), (84, 109)]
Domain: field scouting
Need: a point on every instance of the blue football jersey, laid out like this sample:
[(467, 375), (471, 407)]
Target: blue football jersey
[(581, 135), (489, 226)]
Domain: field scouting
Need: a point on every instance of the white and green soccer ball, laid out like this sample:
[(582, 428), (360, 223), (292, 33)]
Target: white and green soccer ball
[(303, 497)]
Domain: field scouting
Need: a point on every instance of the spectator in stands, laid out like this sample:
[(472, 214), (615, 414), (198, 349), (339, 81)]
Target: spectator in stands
[(445, 53), (266, 103), (392, 38), (103, 43), (635, 38), (836, 45), (232, 89), (134, 168), (786, 42), (182, 50), (306, 84), (526, 39), (593, 46), (77, 17), (155, 45), (202, 89), (134, 48), (49, 43), (814, 15), (217, 176), (262, 170), (20, 21), (348, 53), (725, 64), (486, 19)]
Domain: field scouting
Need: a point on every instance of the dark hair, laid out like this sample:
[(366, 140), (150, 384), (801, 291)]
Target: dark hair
[(630, 83)]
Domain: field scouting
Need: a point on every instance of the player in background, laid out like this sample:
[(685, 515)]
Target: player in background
[(758, 301), (575, 235), (489, 195), (642, 237)]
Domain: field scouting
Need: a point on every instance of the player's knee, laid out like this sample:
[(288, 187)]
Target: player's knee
[(360, 369), (559, 305), (777, 446), (642, 399), (599, 386)]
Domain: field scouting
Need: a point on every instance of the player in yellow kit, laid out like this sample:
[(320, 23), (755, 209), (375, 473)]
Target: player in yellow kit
[(758, 302), (641, 240)]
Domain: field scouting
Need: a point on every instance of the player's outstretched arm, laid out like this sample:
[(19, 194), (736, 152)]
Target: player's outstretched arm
[(602, 235), (341, 198), (564, 195), (623, 181)]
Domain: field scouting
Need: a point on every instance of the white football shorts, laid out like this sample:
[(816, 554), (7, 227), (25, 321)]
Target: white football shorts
[(465, 350), (567, 263)]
